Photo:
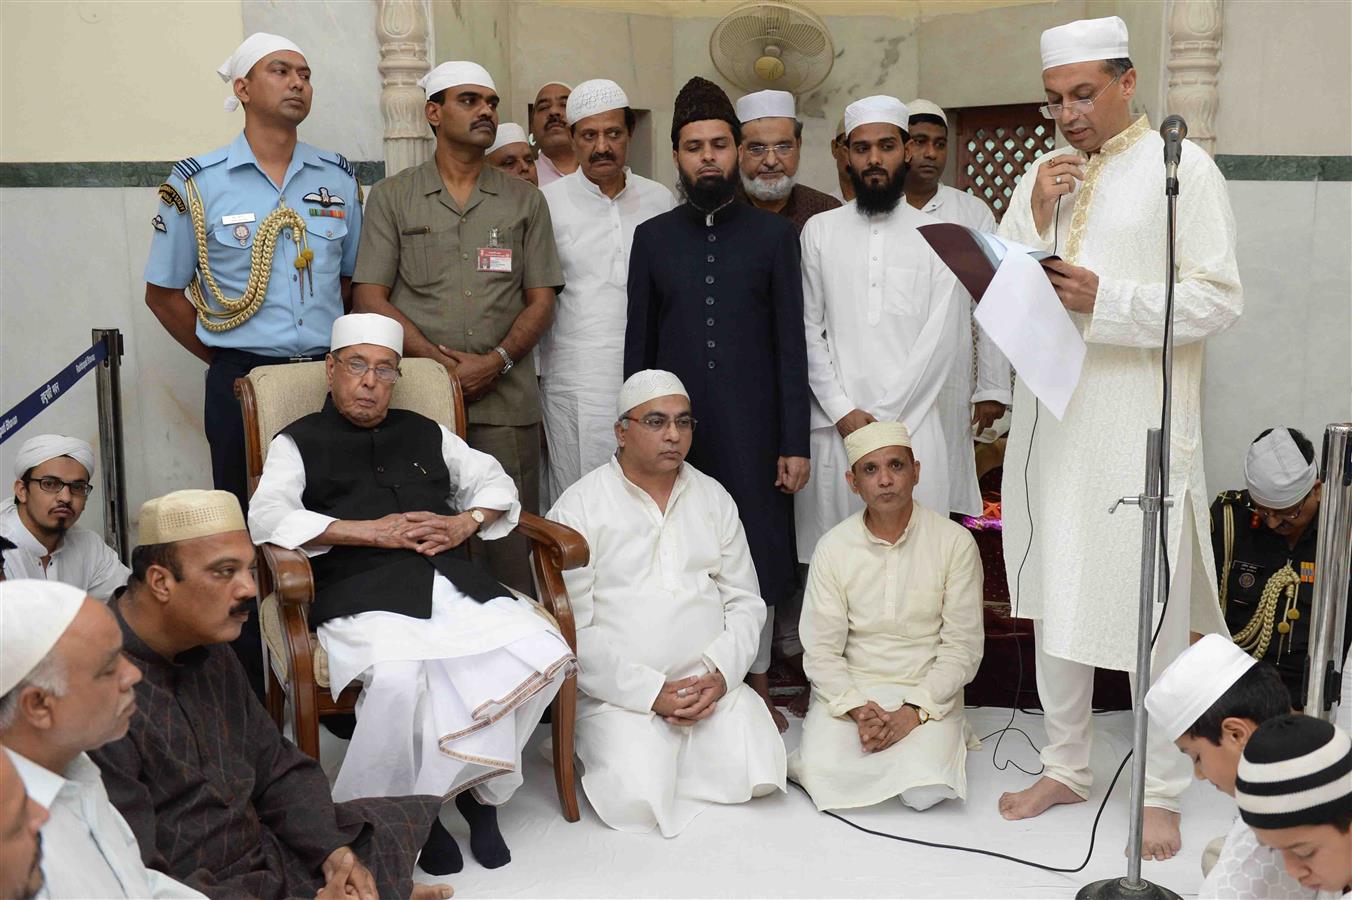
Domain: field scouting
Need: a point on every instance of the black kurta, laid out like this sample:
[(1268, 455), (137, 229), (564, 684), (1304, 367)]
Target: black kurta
[(718, 300)]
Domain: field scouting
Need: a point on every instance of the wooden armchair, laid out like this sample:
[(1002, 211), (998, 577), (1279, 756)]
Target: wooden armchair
[(273, 397)]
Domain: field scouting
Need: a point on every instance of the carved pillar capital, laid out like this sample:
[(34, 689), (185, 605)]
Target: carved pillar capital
[(1194, 60), (402, 28)]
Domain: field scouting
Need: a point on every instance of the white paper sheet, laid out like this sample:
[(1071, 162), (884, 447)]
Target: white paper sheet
[(1022, 314)]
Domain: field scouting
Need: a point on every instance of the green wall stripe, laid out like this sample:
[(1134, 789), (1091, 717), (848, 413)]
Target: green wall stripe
[(121, 174), (1244, 167)]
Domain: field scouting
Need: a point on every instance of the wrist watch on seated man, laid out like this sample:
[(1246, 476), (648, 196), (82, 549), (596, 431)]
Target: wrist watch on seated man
[(477, 515), (920, 713)]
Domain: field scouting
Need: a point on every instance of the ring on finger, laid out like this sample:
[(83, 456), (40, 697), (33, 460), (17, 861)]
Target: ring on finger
[(680, 692), (1057, 179)]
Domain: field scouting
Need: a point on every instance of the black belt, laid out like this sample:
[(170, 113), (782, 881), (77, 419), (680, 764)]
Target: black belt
[(249, 360)]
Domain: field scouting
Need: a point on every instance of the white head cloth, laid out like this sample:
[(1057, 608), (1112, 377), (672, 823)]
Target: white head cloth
[(594, 97), (508, 133), (766, 105), (645, 385), (545, 84), (367, 328), (875, 436), (1084, 41), (42, 447), (34, 613), (840, 127), (1193, 682), (1276, 472), (455, 72), (875, 109), (920, 107), (255, 47), (187, 514)]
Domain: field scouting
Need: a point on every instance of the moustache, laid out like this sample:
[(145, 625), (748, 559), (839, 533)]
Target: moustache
[(877, 170), (554, 120), (242, 607), (598, 157)]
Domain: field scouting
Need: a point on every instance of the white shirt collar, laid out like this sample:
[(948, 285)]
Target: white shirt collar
[(591, 187), (638, 493), (41, 783), (21, 536)]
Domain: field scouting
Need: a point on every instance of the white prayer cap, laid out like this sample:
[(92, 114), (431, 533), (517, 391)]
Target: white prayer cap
[(878, 108), (594, 97), (1084, 41), (34, 613), (766, 105), (875, 436), (187, 514), (453, 73), (367, 328), (508, 133), (42, 447), (648, 384), (920, 107), (1276, 472), (255, 47), (545, 84), (1193, 682), (840, 127)]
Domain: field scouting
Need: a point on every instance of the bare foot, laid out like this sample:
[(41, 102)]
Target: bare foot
[(431, 892), (761, 685), (1160, 838), (798, 705), (1034, 801)]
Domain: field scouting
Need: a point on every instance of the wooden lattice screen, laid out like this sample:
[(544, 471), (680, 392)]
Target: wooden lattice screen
[(995, 145)]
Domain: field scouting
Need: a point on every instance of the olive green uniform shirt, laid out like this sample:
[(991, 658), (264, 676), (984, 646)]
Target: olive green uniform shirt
[(419, 243)]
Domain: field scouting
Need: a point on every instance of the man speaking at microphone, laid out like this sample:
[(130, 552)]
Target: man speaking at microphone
[(1100, 205)]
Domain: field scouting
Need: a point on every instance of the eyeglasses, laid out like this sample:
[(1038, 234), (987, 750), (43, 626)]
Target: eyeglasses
[(359, 367), (1290, 514), (1076, 107), (659, 422), (52, 485), (783, 148)]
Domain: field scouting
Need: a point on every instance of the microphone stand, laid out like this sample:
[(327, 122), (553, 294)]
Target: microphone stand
[(1154, 503)]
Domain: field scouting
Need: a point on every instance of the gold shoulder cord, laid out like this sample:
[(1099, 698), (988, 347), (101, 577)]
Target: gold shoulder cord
[(1255, 636), (233, 313)]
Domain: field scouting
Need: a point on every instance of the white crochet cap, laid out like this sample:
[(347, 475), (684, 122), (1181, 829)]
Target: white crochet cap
[(591, 98), (648, 384)]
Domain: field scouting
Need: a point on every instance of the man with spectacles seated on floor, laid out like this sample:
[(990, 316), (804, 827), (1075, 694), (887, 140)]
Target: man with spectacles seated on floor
[(51, 486), (1264, 541)]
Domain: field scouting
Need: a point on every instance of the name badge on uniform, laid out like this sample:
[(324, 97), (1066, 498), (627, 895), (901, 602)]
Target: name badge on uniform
[(494, 257), (237, 218)]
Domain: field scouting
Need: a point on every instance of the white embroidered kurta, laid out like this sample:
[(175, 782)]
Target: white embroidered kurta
[(980, 371), (882, 314), (82, 559), (664, 596), (447, 702), (583, 351), (893, 623), (1082, 576), (1247, 870), (88, 849)]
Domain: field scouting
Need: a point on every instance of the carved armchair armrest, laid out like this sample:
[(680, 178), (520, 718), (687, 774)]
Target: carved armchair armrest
[(557, 549), (290, 576)]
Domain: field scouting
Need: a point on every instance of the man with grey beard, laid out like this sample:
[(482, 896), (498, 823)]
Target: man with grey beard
[(772, 143)]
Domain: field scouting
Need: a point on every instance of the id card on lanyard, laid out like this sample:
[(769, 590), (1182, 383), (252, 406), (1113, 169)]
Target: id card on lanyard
[(494, 257)]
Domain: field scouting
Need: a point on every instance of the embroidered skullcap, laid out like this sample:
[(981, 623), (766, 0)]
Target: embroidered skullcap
[(367, 328), (184, 515), (700, 100), (1084, 41), (765, 105), (1193, 682), (34, 613), (878, 108), (1276, 472), (594, 97), (42, 447), (246, 55), (920, 107), (508, 133), (645, 385), (875, 436), (453, 73), (1296, 770)]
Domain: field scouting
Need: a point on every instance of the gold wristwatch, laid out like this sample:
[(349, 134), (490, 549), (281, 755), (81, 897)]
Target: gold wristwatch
[(477, 515), (920, 713)]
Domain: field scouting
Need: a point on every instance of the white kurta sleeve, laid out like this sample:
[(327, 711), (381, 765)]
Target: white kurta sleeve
[(925, 368), (276, 513), (962, 633), (480, 481), (822, 375), (1207, 298), (733, 651), (108, 574), (823, 630)]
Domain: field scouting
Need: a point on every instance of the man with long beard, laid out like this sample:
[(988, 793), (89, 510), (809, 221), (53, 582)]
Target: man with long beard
[(715, 296), (772, 146)]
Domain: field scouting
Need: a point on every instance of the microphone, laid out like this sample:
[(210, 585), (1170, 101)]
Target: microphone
[(1173, 130)]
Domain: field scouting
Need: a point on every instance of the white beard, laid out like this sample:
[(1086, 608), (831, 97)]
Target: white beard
[(769, 191)]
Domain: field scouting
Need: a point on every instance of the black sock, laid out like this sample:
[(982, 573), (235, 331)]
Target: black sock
[(485, 840), (441, 854)]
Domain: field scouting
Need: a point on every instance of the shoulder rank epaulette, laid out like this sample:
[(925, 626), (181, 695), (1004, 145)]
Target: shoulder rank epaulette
[(1230, 496), (343, 164), (187, 168)]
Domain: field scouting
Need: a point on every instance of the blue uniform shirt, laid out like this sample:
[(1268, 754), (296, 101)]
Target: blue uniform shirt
[(236, 198)]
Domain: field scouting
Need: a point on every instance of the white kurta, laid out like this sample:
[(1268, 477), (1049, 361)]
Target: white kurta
[(893, 623), (582, 353), (980, 371), (882, 314), (1247, 870), (447, 702), (82, 559), (1082, 575), (664, 596), (88, 849)]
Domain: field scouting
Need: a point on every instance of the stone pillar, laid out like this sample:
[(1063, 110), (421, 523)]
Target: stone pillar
[(1194, 61), (402, 27)]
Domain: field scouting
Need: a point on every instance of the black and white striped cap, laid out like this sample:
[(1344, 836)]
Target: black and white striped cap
[(1296, 770)]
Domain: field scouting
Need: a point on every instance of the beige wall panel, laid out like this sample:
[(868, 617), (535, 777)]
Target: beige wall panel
[(478, 30)]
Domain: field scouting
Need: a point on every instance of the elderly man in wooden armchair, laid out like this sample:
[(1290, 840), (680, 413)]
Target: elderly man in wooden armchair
[(455, 670)]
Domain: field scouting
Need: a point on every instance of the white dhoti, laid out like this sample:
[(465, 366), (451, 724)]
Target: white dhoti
[(447, 703), (640, 772), (580, 428)]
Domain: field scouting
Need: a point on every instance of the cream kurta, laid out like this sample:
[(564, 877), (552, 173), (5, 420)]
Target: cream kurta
[(664, 596), (1082, 576), (893, 623), (882, 314)]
